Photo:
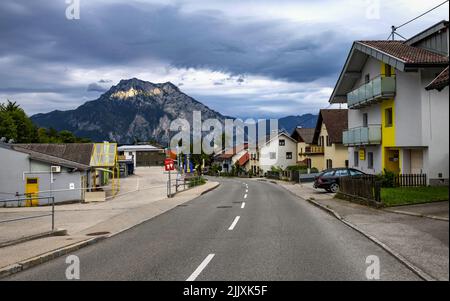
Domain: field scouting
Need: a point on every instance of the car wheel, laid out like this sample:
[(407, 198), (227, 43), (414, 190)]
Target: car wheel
[(334, 187)]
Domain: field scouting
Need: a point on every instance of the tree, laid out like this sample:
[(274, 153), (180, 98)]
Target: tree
[(16, 125), (8, 128), (67, 137)]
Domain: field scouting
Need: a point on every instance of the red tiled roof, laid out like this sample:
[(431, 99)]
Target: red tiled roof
[(406, 53), (244, 159), (440, 82)]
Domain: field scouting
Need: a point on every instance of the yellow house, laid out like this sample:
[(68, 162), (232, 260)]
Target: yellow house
[(328, 134), (308, 154)]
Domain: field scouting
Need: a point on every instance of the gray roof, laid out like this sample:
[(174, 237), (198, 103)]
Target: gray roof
[(49, 159), (80, 153), (436, 28)]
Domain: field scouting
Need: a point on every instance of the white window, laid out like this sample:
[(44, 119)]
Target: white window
[(281, 142), (289, 155), (272, 155)]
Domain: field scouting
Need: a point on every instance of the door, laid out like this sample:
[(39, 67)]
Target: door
[(392, 160), (416, 161), (31, 191)]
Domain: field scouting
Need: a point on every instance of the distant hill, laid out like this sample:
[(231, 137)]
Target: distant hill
[(289, 123), (133, 110)]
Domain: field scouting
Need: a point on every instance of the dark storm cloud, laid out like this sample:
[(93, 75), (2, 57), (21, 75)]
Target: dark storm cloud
[(121, 33)]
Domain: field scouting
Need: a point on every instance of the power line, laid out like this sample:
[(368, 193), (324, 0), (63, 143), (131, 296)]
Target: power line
[(394, 28), (428, 11)]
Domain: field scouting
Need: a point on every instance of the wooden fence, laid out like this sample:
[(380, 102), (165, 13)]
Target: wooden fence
[(365, 187), (369, 186), (410, 180)]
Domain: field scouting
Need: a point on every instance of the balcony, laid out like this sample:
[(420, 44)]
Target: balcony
[(311, 150), (374, 91), (370, 135)]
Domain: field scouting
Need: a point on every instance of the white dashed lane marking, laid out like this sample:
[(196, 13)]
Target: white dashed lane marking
[(200, 267), (236, 219)]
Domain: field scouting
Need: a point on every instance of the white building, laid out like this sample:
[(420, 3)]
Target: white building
[(280, 151), (142, 155), (397, 95)]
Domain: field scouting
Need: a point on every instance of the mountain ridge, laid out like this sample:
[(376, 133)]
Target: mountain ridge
[(136, 110)]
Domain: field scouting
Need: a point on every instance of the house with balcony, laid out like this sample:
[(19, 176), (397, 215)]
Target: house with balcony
[(398, 104), (308, 153), (328, 135)]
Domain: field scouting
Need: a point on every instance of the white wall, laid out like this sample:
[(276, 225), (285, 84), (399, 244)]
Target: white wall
[(435, 128), (129, 157), (372, 67), (280, 160), (13, 164), (363, 164), (408, 115)]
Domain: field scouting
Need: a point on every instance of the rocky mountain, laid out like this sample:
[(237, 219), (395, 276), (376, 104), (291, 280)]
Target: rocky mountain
[(289, 123), (133, 110)]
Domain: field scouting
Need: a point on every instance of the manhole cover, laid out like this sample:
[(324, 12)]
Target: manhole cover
[(222, 207), (97, 233)]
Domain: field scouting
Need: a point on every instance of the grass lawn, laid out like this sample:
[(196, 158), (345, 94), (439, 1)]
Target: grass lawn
[(413, 195)]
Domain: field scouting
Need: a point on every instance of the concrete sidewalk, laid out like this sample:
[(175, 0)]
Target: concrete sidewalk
[(422, 242), (134, 192), (90, 224)]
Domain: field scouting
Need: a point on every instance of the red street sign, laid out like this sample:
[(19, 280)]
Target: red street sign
[(168, 164)]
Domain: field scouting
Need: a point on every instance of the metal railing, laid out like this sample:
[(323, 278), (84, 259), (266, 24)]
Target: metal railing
[(368, 135), (185, 183), (378, 88), (28, 200)]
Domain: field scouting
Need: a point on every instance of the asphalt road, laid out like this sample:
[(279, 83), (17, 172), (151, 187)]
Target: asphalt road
[(274, 236)]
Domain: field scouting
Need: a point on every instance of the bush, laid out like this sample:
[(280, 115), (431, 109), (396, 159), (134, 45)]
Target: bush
[(302, 169), (297, 168), (276, 169), (196, 181), (387, 179)]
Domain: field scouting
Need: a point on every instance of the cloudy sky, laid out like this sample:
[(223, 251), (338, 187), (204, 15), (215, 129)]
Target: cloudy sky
[(260, 58)]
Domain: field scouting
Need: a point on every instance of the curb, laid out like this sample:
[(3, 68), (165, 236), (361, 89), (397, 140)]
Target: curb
[(210, 189), (425, 276), (34, 261), (417, 215)]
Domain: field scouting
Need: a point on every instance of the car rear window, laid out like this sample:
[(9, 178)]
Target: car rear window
[(354, 172), (328, 173), (342, 173)]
